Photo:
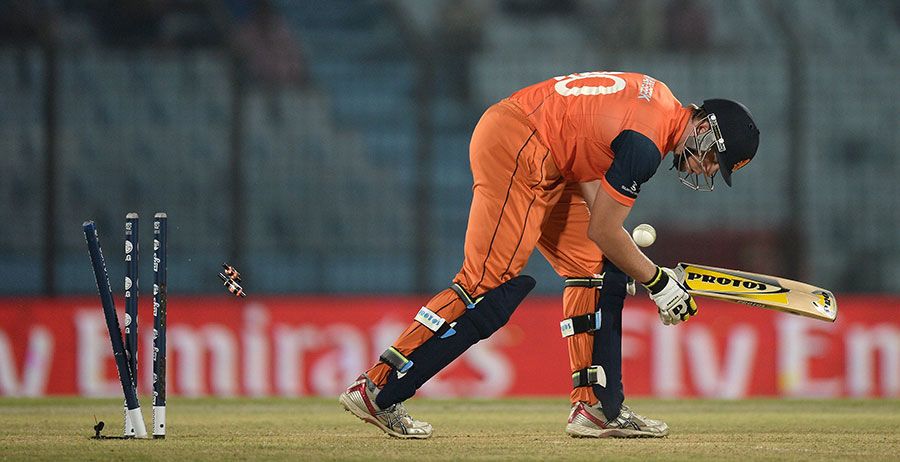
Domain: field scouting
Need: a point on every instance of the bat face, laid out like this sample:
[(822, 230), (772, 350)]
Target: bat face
[(758, 290)]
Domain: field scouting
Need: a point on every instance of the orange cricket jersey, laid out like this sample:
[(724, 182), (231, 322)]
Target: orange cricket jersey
[(582, 116)]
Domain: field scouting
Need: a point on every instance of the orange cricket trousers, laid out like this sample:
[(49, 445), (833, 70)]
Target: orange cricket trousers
[(520, 201)]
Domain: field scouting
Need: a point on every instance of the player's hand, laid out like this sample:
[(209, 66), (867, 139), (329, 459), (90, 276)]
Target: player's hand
[(672, 300)]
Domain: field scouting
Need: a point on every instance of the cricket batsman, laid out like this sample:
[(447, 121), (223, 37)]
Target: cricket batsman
[(557, 166)]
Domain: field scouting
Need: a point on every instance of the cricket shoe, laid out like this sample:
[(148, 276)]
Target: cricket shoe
[(586, 421), (359, 399)]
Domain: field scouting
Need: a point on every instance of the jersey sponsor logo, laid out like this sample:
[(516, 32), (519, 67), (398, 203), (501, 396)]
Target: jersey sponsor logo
[(562, 84), (646, 91)]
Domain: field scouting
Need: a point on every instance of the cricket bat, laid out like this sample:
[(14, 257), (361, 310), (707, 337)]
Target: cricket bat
[(758, 290)]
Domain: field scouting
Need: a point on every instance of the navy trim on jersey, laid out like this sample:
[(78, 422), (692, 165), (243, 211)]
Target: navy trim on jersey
[(637, 159)]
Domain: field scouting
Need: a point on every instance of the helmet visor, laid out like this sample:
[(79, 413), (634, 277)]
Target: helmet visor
[(699, 147)]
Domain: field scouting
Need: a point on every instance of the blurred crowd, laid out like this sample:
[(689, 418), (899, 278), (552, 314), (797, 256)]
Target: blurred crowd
[(252, 28), (112, 23), (274, 54), (673, 25), (381, 84)]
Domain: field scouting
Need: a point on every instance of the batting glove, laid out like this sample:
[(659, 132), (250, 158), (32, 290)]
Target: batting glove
[(672, 300)]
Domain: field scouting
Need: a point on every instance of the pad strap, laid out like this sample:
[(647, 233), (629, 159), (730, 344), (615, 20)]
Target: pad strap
[(589, 376), (580, 324), (435, 322), (395, 359), (585, 282), (464, 296), (472, 326)]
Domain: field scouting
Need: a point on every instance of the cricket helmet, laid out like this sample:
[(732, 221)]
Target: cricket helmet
[(738, 136)]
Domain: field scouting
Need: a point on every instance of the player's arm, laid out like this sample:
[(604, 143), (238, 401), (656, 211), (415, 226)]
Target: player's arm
[(609, 230), (589, 191), (636, 160), (606, 229), (611, 197)]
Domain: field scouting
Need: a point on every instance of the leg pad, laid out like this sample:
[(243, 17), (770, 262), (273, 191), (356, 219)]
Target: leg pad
[(488, 315)]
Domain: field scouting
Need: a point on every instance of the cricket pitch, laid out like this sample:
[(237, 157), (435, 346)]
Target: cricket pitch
[(490, 429)]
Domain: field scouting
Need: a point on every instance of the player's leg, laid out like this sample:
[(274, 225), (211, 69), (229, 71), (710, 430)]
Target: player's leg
[(409, 369), (516, 183), (593, 299), (575, 257)]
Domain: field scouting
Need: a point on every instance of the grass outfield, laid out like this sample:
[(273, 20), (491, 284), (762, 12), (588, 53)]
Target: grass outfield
[(318, 429)]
